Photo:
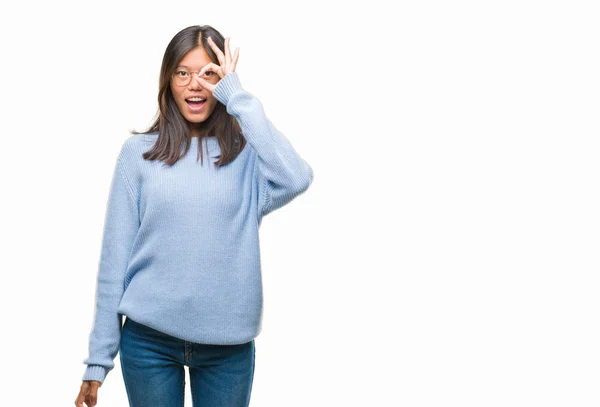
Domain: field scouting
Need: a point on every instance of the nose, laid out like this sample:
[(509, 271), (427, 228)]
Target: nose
[(194, 84)]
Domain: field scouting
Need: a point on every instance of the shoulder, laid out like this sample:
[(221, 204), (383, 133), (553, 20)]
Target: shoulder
[(142, 139), (137, 144)]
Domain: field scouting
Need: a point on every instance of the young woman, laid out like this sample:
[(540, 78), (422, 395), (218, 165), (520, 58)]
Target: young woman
[(180, 255)]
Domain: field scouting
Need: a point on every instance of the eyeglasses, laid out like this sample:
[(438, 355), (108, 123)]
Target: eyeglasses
[(182, 76)]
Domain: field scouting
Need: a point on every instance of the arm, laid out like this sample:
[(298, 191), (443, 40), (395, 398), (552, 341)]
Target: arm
[(120, 228), (281, 173)]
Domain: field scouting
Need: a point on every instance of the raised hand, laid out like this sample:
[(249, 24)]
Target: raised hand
[(226, 65)]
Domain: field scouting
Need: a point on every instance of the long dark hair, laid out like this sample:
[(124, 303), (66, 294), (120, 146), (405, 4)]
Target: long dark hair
[(173, 128)]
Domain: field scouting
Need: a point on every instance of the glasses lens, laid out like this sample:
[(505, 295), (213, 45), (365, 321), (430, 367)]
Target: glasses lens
[(182, 77)]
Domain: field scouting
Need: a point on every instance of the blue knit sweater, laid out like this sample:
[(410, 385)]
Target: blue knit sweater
[(180, 249)]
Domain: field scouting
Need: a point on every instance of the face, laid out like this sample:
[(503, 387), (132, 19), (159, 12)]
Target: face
[(193, 61)]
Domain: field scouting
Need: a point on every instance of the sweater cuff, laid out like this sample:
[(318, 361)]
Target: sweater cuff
[(95, 372), (227, 86)]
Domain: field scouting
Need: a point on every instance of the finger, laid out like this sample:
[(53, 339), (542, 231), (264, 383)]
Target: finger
[(212, 67), (92, 397), (80, 398), (227, 52), (217, 51), (90, 401), (236, 55), (205, 84), (83, 390)]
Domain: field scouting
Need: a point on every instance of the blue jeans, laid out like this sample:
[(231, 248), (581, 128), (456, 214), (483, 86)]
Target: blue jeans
[(153, 369)]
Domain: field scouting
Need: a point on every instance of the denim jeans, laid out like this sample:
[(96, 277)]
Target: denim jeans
[(153, 362)]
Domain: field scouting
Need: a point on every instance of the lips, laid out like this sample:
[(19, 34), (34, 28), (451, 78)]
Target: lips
[(195, 106)]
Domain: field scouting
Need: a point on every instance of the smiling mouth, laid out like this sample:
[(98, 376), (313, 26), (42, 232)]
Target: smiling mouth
[(196, 105)]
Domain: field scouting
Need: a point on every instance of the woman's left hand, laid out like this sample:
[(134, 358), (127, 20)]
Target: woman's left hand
[(226, 61)]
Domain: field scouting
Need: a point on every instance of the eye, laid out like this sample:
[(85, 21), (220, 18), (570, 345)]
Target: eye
[(181, 73), (209, 72)]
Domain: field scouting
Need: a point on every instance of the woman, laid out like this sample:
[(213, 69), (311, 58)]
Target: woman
[(180, 253)]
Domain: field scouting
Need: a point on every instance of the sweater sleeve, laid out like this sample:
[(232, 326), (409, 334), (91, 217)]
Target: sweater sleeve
[(120, 228), (280, 172)]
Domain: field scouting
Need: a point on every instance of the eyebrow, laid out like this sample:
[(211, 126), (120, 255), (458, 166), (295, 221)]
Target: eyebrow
[(185, 66)]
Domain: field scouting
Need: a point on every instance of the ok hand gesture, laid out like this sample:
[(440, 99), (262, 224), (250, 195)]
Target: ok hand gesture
[(226, 61)]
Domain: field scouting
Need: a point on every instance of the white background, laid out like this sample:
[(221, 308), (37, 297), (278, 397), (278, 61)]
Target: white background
[(446, 252)]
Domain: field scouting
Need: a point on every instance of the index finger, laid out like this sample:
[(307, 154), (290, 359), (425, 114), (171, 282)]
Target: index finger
[(217, 51)]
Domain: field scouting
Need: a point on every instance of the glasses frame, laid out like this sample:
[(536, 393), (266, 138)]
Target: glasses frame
[(191, 75)]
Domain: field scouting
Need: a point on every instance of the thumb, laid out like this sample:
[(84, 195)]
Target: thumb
[(205, 84)]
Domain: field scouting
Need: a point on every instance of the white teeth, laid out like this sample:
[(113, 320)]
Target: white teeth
[(196, 99)]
